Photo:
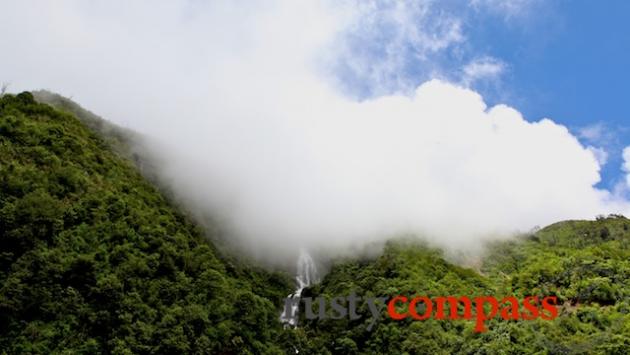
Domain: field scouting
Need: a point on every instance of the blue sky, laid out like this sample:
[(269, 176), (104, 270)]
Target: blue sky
[(569, 63), (564, 60), (331, 106)]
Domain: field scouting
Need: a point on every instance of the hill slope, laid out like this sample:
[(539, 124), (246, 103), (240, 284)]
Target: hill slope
[(586, 264), (94, 259)]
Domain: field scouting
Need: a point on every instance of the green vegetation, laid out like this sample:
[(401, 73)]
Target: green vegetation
[(585, 264), (94, 259)]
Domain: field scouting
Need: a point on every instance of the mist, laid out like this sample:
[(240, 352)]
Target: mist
[(252, 121)]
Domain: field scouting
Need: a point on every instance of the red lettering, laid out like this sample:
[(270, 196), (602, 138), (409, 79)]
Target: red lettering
[(549, 304), (414, 311), (481, 315), (453, 301), (511, 311), (391, 308), (531, 305)]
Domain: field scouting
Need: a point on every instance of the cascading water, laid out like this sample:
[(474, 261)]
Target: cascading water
[(306, 276)]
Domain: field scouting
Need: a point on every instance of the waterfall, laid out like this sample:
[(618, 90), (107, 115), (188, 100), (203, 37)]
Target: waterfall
[(306, 276)]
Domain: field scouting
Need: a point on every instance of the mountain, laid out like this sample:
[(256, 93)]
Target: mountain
[(97, 257), (93, 259), (585, 264)]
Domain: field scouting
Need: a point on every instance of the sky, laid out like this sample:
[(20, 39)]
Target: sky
[(321, 124), (561, 59), (578, 74)]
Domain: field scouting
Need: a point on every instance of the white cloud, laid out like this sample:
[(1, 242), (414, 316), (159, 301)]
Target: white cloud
[(253, 130), (593, 133), (485, 68), (391, 46), (507, 8), (626, 164), (600, 154)]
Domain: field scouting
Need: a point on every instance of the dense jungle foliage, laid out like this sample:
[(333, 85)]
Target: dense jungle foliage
[(585, 264), (95, 259)]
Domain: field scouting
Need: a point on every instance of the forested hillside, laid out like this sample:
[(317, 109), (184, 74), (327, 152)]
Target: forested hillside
[(585, 264), (94, 259)]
